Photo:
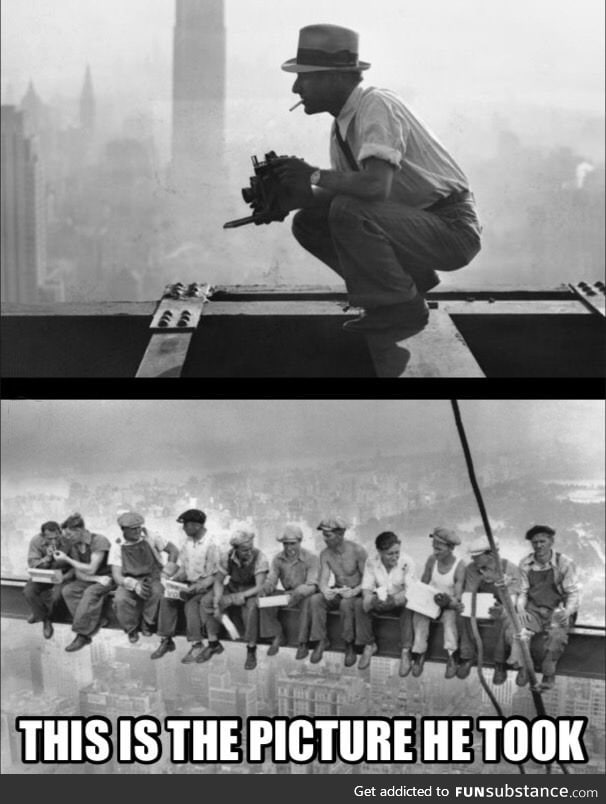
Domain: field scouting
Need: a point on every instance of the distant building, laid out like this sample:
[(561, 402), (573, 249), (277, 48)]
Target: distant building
[(320, 693), (199, 78), (88, 105), (23, 225)]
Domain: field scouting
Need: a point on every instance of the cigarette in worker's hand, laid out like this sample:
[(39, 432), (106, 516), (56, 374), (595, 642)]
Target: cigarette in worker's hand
[(296, 106)]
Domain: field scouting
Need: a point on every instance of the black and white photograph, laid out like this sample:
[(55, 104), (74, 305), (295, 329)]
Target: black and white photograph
[(302, 559), (231, 547), (425, 198)]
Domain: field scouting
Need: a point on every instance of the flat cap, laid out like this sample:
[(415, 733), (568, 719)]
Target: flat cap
[(240, 537), (290, 533), (480, 545), (333, 523), (445, 535), (130, 519), (192, 515)]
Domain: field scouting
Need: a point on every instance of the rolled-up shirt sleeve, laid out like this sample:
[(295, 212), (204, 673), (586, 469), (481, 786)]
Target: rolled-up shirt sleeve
[(369, 579), (382, 133)]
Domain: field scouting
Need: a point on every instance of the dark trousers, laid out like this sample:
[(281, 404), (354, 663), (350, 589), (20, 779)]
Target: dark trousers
[(467, 643), (270, 626), (245, 618), (354, 621), (548, 640), (386, 251), (364, 623), (169, 611), (42, 598), (131, 609), (85, 602)]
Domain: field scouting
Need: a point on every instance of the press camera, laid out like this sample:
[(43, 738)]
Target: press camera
[(266, 195)]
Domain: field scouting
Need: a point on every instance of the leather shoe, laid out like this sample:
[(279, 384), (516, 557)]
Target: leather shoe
[(192, 655), (369, 652), (350, 655), (275, 645), (78, 643), (417, 665), (451, 666), (522, 677), (302, 651), (212, 649), (405, 664), (32, 619), (166, 646), (47, 629), (251, 659), (133, 636), (318, 651), (500, 675), (146, 631), (464, 668)]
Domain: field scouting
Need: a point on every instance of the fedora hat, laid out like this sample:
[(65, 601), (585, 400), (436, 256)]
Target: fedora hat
[(326, 47)]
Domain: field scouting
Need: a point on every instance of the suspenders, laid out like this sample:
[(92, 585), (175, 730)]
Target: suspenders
[(347, 153)]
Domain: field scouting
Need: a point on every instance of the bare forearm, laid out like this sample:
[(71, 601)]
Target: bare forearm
[(364, 184)]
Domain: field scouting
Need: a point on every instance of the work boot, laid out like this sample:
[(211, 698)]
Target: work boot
[(451, 666), (500, 674), (548, 682), (133, 636), (316, 656), (251, 658), (369, 652), (212, 649), (350, 655), (417, 665), (192, 655), (464, 668), (522, 677), (302, 651), (78, 643), (47, 629), (166, 646), (405, 663), (275, 645)]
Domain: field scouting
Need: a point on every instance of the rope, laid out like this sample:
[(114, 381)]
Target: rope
[(507, 603)]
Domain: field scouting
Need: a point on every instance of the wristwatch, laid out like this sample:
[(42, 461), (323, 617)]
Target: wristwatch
[(315, 177)]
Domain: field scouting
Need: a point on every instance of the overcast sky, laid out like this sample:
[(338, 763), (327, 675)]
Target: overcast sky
[(509, 50), (53, 438)]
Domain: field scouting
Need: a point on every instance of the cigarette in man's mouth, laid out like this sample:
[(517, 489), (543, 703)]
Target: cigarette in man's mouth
[(300, 103)]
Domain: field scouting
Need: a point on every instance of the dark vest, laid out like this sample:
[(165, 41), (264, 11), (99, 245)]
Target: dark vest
[(542, 590), (242, 578), (138, 559)]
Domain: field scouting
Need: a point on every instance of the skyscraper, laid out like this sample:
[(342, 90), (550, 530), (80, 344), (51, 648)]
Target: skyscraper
[(23, 238), (198, 103), (87, 104)]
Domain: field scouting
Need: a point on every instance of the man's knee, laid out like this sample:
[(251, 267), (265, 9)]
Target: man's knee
[(306, 226), (30, 591), (348, 604), (317, 602)]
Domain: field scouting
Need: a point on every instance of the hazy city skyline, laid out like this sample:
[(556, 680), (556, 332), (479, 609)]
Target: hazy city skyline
[(561, 65), (48, 437), (516, 98)]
